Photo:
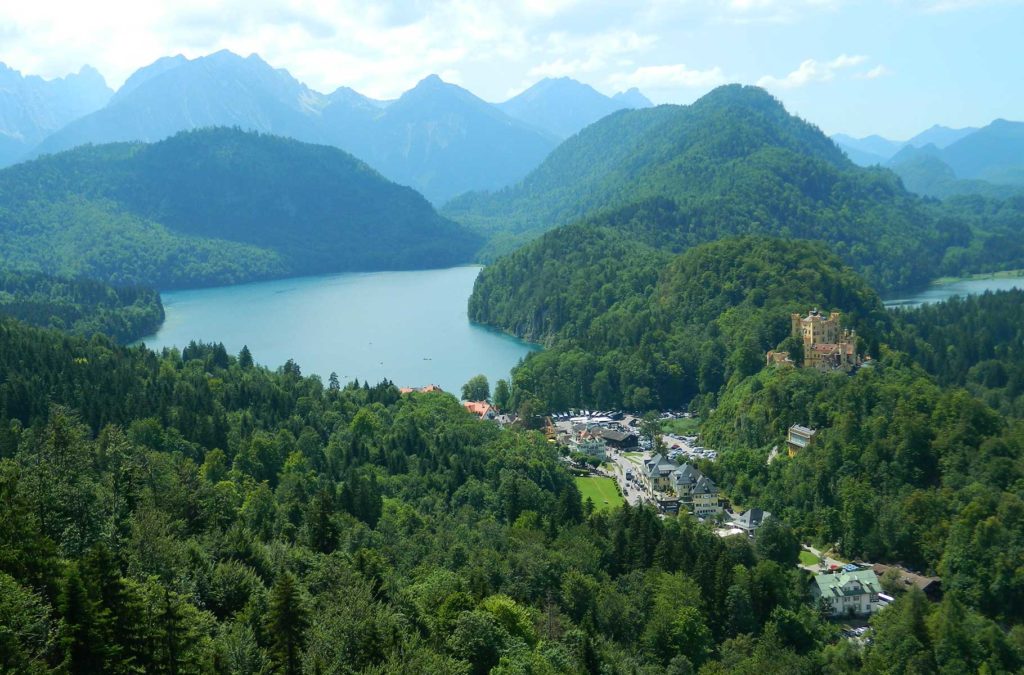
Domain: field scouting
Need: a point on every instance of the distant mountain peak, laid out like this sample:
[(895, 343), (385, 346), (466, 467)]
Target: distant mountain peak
[(432, 80), (743, 94), (563, 106)]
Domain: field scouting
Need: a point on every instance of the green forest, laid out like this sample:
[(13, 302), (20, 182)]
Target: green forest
[(192, 512), (975, 342), (736, 163), (213, 207), (80, 306), (638, 328)]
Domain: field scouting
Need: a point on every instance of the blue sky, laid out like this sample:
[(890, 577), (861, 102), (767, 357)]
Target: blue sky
[(892, 67)]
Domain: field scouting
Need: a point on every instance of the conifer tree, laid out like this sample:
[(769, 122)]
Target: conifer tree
[(286, 624)]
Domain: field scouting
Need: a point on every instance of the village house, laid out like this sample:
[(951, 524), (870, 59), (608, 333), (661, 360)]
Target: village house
[(481, 409), (682, 486), (930, 586), (798, 438), (656, 474), (750, 520), (703, 499), (592, 447), (850, 591), (623, 441)]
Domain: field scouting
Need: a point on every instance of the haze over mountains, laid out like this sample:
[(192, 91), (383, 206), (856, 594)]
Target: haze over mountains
[(941, 161), (31, 107), (875, 149), (438, 138), (563, 106)]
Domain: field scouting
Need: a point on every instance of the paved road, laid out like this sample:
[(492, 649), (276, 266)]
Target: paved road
[(633, 494)]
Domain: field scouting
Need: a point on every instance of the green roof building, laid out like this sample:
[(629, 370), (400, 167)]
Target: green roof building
[(850, 591)]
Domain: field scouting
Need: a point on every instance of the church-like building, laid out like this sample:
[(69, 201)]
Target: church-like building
[(827, 347)]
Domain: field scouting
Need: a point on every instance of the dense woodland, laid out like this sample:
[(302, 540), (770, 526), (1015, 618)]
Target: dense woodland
[(192, 512), (736, 163), (975, 342), (637, 328), (216, 206), (80, 306)]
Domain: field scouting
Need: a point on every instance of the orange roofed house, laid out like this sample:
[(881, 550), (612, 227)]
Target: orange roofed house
[(429, 389), (481, 409)]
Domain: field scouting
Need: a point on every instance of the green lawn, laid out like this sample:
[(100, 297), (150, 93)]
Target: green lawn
[(681, 427), (635, 457), (808, 558), (601, 490)]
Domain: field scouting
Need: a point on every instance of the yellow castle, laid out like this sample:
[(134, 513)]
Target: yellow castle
[(826, 345)]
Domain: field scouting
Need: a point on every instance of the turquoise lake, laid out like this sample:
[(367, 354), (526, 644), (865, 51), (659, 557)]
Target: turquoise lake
[(408, 327), (940, 292)]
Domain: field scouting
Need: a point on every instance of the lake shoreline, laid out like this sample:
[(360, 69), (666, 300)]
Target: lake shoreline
[(944, 288), (408, 326)]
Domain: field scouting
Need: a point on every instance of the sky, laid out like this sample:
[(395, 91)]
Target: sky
[(892, 67)]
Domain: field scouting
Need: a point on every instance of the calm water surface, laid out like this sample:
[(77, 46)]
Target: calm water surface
[(409, 327), (940, 292)]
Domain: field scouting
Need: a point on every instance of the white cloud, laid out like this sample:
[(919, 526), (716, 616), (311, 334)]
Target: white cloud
[(580, 55), (668, 77), (812, 71), (875, 73)]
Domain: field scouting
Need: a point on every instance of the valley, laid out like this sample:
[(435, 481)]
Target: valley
[(554, 381)]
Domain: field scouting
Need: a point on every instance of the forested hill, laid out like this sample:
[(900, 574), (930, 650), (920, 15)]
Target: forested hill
[(975, 342), (80, 306), (635, 327), (735, 162), (216, 206), (189, 512)]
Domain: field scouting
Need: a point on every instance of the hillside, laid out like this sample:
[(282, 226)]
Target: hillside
[(437, 138), (734, 162), (924, 172), (80, 306), (562, 106), (192, 512), (630, 326), (975, 342), (213, 207), (31, 107)]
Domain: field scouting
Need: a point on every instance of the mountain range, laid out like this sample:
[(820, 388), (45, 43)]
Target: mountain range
[(733, 162), (216, 206), (437, 137), (32, 108), (562, 106), (875, 149)]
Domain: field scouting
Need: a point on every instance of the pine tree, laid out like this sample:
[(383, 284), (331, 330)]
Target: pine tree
[(85, 646), (286, 624)]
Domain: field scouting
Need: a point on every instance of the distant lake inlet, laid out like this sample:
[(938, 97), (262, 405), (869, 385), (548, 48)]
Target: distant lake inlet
[(943, 291), (408, 327)]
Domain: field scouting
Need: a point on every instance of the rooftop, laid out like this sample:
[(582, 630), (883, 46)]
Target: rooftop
[(856, 582)]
